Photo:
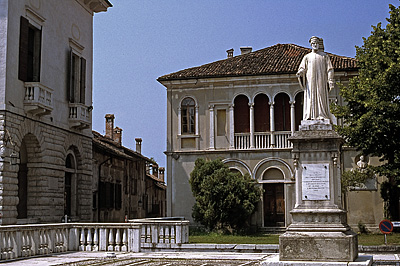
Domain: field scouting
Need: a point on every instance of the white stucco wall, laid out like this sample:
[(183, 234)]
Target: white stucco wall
[(63, 20), (3, 48)]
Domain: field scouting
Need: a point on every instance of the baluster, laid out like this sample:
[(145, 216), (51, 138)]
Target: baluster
[(9, 246), (143, 234), (124, 240), (117, 240), (23, 244), (82, 240), (41, 250), (64, 246), (96, 240), (89, 240), (61, 240), (148, 234), (56, 241), (173, 241), (3, 246), (161, 235), (27, 244), (46, 238), (110, 240), (167, 235)]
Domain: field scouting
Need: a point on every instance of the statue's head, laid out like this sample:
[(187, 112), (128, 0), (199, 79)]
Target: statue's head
[(317, 43)]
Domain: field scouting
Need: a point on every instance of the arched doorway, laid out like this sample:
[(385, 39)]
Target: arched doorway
[(70, 186), (298, 109), (274, 198), (282, 112), (242, 114), (261, 113)]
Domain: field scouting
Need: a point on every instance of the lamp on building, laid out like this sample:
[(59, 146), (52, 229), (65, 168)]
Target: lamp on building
[(140, 202), (3, 148)]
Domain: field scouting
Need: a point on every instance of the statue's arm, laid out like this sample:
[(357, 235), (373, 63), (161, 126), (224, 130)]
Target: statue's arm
[(331, 73), (302, 67)]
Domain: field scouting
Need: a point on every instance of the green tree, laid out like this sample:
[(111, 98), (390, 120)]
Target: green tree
[(224, 199), (372, 114)]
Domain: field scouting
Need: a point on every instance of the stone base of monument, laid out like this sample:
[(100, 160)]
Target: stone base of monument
[(273, 260), (319, 232), (318, 246)]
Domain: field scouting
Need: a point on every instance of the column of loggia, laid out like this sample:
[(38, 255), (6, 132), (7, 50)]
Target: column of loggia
[(252, 131), (212, 130), (251, 105)]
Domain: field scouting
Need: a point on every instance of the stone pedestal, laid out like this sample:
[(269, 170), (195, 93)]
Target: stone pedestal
[(319, 231)]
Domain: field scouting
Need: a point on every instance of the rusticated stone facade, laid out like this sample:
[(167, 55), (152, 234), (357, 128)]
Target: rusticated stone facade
[(45, 109)]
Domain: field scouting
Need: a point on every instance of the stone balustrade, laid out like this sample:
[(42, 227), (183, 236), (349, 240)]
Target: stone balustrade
[(160, 232), (18, 241), (263, 140), (38, 98)]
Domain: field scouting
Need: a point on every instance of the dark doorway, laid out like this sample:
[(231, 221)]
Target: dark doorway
[(274, 205), (22, 207), (67, 194)]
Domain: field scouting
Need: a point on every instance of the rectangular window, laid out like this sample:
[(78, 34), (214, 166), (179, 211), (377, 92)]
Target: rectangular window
[(221, 122), (118, 196), (77, 79), (29, 52)]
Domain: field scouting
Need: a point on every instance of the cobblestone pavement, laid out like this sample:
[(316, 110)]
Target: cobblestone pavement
[(151, 259)]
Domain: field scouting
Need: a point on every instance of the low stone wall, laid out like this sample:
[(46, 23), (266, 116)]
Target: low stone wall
[(18, 241)]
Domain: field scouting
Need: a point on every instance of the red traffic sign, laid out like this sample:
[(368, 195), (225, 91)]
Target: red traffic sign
[(386, 226)]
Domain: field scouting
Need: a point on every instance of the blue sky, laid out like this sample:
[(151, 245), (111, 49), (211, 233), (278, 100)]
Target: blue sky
[(137, 41)]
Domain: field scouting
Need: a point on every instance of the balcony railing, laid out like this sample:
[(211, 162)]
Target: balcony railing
[(38, 99), (79, 116), (264, 140), (18, 241)]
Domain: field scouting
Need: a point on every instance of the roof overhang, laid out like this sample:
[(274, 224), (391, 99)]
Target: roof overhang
[(95, 6)]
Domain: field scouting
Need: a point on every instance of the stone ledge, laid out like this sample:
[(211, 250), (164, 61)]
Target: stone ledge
[(273, 260), (240, 248)]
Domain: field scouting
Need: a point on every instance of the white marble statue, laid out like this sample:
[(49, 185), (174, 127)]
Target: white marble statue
[(316, 72), (362, 164)]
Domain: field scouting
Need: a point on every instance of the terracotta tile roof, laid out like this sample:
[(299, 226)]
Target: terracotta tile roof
[(108, 145), (276, 59), (157, 181)]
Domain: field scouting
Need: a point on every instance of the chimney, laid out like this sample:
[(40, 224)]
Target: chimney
[(110, 126), (155, 170), (246, 50), (138, 145), (230, 53), (118, 135), (161, 173)]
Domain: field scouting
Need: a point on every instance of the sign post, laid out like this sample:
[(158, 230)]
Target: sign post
[(386, 228)]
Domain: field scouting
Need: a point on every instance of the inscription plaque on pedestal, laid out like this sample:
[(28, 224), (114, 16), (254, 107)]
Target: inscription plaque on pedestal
[(315, 181)]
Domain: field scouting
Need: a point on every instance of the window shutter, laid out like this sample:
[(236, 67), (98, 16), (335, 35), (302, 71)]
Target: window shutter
[(23, 50), (82, 85), (37, 54), (71, 77)]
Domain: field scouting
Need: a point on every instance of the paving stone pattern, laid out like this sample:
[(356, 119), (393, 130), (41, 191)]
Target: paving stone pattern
[(159, 262)]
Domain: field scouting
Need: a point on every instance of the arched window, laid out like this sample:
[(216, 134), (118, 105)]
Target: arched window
[(282, 112), (298, 109), (70, 186), (188, 116), (242, 114), (261, 113)]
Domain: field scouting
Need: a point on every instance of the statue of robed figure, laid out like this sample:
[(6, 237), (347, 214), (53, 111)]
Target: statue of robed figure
[(316, 77)]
